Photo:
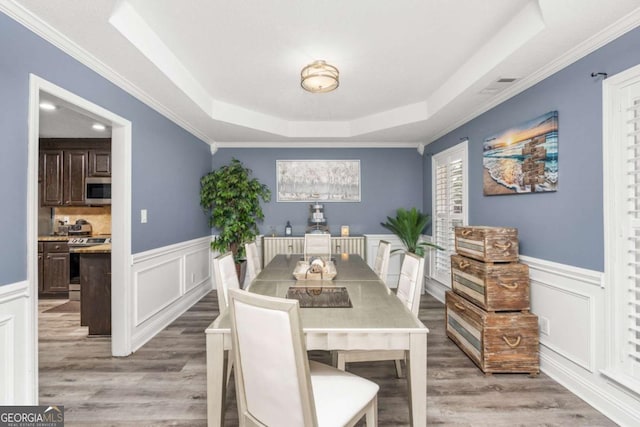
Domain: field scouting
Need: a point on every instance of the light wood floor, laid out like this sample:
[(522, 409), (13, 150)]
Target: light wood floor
[(163, 383)]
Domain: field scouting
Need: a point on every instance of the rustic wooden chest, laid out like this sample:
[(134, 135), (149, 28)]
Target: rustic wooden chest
[(494, 287), (505, 342), (488, 244)]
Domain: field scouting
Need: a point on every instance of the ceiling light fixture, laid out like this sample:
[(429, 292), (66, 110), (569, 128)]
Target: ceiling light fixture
[(98, 126), (47, 106), (319, 77)]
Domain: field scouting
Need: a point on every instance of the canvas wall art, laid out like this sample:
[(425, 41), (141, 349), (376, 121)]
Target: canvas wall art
[(522, 159), (318, 180)]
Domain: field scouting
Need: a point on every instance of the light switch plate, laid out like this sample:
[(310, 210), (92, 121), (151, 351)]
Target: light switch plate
[(143, 216)]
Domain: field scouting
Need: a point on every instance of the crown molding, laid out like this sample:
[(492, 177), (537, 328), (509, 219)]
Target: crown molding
[(316, 144), (33, 23), (612, 32), (23, 16)]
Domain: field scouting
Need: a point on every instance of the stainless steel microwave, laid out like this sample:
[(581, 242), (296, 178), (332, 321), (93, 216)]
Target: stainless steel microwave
[(98, 191)]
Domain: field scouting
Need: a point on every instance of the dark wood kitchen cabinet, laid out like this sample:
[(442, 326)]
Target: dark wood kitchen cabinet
[(65, 164), (75, 172), (40, 266), (95, 293), (63, 174), (50, 173), (100, 163), (53, 279)]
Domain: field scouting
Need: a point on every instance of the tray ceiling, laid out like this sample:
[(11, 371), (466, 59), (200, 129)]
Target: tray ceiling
[(410, 70)]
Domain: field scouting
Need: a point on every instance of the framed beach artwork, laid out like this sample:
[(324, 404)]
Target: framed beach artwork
[(522, 159), (318, 180)]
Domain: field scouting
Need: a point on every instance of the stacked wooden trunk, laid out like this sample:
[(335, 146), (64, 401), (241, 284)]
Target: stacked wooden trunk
[(487, 313)]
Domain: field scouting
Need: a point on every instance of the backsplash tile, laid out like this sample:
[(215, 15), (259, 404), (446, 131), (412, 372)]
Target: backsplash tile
[(99, 217)]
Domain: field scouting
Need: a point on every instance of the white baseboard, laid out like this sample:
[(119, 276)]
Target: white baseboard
[(167, 282), (436, 289), (17, 352)]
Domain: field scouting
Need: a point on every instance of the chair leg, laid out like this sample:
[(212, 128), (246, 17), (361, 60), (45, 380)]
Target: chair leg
[(398, 368), (229, 367), (339, 360), (371, 417)]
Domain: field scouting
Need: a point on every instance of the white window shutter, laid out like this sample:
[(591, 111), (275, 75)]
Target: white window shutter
[(449, 206), (631, 233), (621, 185)]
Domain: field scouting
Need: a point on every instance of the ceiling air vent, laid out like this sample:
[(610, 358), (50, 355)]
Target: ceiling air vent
[(498, 85)]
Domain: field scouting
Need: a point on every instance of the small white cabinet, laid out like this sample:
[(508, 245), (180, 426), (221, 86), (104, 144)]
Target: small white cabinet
[(272, 246)]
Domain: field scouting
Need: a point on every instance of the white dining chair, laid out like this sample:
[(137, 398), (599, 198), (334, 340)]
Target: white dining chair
[(276, 384), (253, 264), (317, 245), (409, 290), (226, 276), (381, 263)]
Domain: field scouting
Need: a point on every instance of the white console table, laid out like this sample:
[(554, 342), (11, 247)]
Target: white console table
[(272, 246)]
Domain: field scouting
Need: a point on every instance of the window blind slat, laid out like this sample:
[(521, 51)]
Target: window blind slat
[(632, 172)]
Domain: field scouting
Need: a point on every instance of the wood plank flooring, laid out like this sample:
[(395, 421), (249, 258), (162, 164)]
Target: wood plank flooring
[(163, 383)]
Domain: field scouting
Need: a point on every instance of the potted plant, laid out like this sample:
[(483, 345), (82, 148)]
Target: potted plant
[(408, 225), (231, 199)]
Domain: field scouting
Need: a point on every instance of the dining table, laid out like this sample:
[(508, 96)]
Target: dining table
[(374, 319)]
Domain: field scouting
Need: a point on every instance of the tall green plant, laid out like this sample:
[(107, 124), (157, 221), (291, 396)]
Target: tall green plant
[(231, 200), (408, 225)]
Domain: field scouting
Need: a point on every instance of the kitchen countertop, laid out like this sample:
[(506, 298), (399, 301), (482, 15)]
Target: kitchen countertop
[(53, 238), (97, 249)]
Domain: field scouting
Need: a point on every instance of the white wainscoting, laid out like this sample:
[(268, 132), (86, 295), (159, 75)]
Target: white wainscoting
[(166, 282), (16, 346), (571, 301)]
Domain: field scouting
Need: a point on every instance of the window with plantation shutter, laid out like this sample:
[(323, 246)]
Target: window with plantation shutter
[(621, 156), (449, 178)]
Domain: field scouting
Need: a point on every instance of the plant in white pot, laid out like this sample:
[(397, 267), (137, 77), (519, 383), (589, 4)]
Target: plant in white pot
[(408, 225)]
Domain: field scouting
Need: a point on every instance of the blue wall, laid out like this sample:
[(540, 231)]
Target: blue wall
[(564, 226), (390, 178), (167, 161)]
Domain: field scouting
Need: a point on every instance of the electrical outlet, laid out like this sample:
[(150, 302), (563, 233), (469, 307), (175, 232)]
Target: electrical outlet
[(65, 219), (193, 277), (143, 216), (545, 328)]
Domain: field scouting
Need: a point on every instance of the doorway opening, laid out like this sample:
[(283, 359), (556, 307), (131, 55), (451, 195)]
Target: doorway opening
[(120, 208)]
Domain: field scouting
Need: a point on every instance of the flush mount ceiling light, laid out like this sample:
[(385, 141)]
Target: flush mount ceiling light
[(319, 77), (98, 126)]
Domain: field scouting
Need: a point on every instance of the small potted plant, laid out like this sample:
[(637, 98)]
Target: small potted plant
[(408, 225), (231, 199)]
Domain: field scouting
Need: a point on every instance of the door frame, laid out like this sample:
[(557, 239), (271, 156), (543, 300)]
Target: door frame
[(120, 217)]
